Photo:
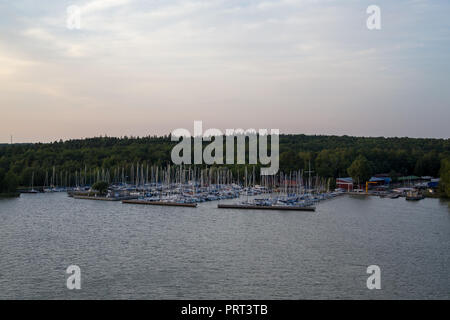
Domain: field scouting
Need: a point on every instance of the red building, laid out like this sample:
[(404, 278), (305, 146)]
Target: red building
[(344, 183)]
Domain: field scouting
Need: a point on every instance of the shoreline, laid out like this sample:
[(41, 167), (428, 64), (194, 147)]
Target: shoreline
[(9, 195)]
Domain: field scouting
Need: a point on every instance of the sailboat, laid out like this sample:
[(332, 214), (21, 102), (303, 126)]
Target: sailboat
[(32, 185)]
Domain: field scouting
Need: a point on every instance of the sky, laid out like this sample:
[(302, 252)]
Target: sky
[(141, 68)]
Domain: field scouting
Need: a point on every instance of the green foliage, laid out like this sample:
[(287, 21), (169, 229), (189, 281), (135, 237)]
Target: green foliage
[(10, 183), (360, 169), (2, 182), (332, 163), (289, 161), (329, 156), (101, 186), (444, 184), (428, 164)]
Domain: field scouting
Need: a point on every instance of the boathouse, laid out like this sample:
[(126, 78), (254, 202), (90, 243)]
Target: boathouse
[(345, 183)]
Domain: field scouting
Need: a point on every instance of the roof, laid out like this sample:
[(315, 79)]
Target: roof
[(379, 179), (408, 178), (403, 189), (348, 180)]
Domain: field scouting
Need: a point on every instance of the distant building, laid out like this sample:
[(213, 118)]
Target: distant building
[(344, 183), (380, 180), (434, 183)]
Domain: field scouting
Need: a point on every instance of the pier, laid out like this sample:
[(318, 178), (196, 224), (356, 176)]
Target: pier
[(255, 207), (104, 198), (161, 203)]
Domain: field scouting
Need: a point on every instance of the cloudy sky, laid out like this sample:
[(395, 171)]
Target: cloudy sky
[(148, 67)]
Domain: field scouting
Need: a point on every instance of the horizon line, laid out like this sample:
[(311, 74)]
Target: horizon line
[(169, 134)]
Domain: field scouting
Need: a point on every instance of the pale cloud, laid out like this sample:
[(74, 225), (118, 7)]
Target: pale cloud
[(292, 64), (181, 9), (11, 64), (268, 5), (99, 5), (69, 48)]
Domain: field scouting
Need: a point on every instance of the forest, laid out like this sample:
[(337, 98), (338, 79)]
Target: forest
[(326, 156)]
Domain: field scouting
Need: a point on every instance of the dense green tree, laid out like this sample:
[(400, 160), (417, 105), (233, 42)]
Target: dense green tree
[(289, 161), (445, 177), (332, 163), (2, 182), (428, 164), (93, 159), (360, 169), (11, 182), (326, 163), (101, 187)]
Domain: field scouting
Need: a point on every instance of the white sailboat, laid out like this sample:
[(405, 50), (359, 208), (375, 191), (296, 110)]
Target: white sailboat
[(32, 184)]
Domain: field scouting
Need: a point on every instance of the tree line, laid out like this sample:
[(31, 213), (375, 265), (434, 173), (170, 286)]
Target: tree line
[(327, 156)]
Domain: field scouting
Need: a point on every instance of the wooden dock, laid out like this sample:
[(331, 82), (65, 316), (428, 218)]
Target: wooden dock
[(254, 207), (161, 203)]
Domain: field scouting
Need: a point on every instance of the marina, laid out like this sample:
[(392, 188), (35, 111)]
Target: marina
[(190, 185), (189, 188), (181, 186)]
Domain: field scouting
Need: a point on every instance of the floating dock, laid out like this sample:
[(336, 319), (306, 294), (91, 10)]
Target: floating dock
[(161, 203), (254, 207), (353, 193), (103, 198)]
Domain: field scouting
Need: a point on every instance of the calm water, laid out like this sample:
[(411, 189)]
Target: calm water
[(130, 251)]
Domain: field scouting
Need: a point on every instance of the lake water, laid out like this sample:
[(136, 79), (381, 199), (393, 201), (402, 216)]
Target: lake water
[(150, 252)]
